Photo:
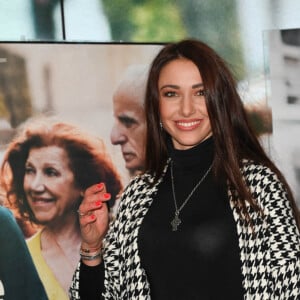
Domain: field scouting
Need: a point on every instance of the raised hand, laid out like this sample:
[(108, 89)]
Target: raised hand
[(94, 218)]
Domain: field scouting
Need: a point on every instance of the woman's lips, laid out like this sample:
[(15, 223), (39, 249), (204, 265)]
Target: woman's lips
[(41, 202)]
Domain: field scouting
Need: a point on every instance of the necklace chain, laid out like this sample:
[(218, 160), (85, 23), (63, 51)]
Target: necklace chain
[(176, 220)]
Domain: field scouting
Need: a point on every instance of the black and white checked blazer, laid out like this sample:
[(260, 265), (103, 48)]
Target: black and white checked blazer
[(270, 258)]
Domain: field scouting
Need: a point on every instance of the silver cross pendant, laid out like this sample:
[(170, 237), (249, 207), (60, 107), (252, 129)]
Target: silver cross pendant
[(175, 222)]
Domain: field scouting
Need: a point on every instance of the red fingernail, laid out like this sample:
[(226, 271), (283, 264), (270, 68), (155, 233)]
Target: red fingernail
[(100, 185), (92, 217), (106, 196), (98, 203)]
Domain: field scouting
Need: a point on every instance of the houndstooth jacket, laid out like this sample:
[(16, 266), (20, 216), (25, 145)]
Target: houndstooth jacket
[(270, 258)]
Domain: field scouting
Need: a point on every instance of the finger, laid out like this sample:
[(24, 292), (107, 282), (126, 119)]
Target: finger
[(101, 216), (95, 192), (87, 208), (95, 189), (87, 219), (92, 204)]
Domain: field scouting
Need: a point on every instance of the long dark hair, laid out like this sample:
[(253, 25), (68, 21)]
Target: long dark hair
[(233, 136)]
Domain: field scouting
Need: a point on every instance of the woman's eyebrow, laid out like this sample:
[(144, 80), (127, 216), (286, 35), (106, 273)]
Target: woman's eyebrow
[(173, 86), (198, 85)]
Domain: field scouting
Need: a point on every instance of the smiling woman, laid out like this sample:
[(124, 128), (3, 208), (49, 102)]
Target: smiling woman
[(45, 172), (182, 105), (211, 217), (49, 183)]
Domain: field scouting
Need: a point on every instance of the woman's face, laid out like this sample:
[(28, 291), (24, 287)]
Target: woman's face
[(49, 184), (183, 110)]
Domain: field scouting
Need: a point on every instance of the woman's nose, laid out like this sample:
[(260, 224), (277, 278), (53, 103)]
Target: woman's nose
[(187, 106), (37, 184)]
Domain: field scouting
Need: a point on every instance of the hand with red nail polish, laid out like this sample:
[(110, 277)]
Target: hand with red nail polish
[(93, 215)]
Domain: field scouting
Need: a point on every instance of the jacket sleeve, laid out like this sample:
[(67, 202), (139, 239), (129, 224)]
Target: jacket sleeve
[(111, 255), (111, 262), (284, 242), (277, 274), (74, 288)]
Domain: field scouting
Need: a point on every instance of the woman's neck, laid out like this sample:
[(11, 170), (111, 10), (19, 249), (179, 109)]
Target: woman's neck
[(60, 247)]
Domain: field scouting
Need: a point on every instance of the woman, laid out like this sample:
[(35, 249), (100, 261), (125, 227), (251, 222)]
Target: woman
[(46, 170), (212, 217), (18, 276)]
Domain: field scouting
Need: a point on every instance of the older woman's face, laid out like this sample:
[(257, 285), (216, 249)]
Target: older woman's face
[(49, 184)]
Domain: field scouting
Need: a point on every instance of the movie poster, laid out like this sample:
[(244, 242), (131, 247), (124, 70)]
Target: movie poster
[(73, 83)]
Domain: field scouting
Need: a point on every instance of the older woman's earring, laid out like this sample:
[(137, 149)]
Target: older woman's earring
[(161, 125)]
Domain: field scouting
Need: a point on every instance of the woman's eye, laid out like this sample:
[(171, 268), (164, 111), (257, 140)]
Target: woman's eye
[(29, 170), (170, 94), (201, 93), (51, 172)]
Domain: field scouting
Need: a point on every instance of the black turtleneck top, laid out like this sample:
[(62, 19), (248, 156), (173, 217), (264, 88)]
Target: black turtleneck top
[(201, 259)]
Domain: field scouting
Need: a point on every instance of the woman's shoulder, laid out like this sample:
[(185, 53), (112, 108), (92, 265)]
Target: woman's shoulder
[(34, 242), (255, 170), (137, 193), (139, 183), (265, 184)]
